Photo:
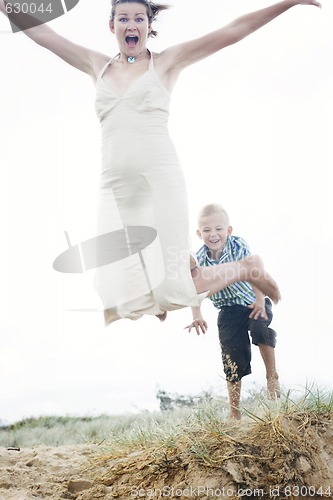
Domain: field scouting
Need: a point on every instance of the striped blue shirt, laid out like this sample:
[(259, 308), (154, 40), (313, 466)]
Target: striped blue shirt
[(240, 293)]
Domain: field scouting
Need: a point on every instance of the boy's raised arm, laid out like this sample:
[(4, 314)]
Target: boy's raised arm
[(84, 59)]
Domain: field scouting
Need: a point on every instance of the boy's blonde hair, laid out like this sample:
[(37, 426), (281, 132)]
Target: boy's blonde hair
[(212, 208)]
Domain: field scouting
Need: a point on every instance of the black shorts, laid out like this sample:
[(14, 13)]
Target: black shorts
[(234, 326)]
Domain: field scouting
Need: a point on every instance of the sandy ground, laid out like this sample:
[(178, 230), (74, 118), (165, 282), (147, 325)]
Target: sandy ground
[(301, 467), (43, 472)]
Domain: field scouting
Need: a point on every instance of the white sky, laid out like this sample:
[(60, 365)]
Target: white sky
[(252, 126)]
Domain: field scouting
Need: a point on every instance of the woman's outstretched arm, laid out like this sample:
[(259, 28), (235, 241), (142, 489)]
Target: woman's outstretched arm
[(187, 53), (80, 57)]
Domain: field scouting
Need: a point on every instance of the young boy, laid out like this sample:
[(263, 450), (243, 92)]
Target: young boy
[(243, 309)]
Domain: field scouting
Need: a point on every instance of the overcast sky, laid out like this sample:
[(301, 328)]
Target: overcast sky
[(252, 126)]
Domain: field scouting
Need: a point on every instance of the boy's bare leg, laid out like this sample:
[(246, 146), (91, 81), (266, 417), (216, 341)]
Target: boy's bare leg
[(234, 391), (273, 386), (251, 269)]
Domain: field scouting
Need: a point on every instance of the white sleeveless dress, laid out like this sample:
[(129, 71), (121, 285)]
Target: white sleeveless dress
[(142, 189)]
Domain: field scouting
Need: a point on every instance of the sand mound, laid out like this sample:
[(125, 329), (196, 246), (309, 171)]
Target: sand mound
[(41, 472), (288, 457)]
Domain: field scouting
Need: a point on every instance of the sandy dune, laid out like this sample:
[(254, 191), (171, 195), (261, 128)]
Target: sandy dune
[(43, 472), (286, 458)]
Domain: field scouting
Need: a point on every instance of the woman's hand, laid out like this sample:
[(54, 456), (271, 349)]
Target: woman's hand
[(308, 2), (182, 55), (2, 7), (88, 61)]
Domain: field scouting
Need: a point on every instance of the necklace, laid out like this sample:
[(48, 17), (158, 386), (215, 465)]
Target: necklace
[(130, 59)]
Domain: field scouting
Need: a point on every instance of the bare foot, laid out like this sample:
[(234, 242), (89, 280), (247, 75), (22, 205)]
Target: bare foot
[(261, 279), (235, 414), (234, 392), (271, 289), (162, 317), (273, 388)]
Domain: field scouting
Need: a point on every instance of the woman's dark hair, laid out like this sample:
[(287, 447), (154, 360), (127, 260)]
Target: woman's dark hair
[(153, 10)]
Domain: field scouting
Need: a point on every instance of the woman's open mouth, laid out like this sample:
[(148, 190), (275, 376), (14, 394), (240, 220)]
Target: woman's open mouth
[(132, 40)]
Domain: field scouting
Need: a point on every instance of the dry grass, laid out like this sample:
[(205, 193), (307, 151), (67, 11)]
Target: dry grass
[(276, 446)]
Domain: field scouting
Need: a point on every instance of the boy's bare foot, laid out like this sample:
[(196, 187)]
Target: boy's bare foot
[(235, 414), (273, 388), (261, 279), (234, 392), (162, 317)]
